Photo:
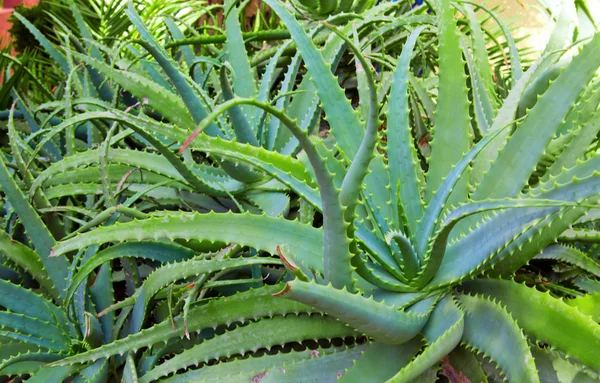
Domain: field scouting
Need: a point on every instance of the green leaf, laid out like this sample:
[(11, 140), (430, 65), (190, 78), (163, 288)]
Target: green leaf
[(336, 231), (265, 333), (252, 230), (252, 304), (161, 252), (195, 107), (28, 260), (129, 371), (545, 318), (504, 117), (404, 167), (241, 126), (38, 233), (462, 364), (243, 81), (570, 255), (509, 351), (576, 148), (161, 100), (301, 364), (53, 374), (170, 273), (588, 305), (54, 53), (443, 332), (384, 323), (451, 136), (517, 160), (380, 361)]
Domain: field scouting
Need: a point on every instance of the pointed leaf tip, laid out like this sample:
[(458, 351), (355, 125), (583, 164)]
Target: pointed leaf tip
[(285, 261), (189, 140), (286, 289)]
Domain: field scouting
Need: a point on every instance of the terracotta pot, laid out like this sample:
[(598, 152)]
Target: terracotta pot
[(14, 3), (4, 27)]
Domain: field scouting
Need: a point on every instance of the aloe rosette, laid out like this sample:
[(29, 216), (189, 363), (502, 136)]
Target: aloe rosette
[(414, 262)]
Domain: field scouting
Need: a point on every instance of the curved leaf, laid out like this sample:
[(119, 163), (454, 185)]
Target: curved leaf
[(545, 318)]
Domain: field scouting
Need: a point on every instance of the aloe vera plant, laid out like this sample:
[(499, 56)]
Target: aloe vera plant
[(411, 266)]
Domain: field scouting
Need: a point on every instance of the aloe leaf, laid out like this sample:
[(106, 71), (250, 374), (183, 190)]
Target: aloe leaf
[(181, 167), (562, 34), (528, 142), (252, 304), (186, 50), (20, 300), (151, 69), (380, 361), (53, 374), (102, 296), (243, 81), (481, 102), (105, 92), (519, 228), (384, 323), (241, 126), (510, 351), (26, 362), (505, 116), (320, 366), (443, 332), (451, 136), (266, 83), (582, 170), (515, 61), (34, 327), (114, 175), (34, 340), (161, 100), (130, 374), (182, 270), (194, 105), (29, 260), (276, 137), (360, 162), (213, 181), (431, 216), (160, 252), (546, 232), (56, 55), (336, 231), (587, 284), (403, 163), (38, 233), (462, 363), (580, 235), (481, 57), (244, 370), (336, 105), (272, 203), (520, 213), (264, 333), (570, 255), (588, 304), (576, 148), (95, 373), (563, 326), (50, 147), (380, 276), (302, 239)]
